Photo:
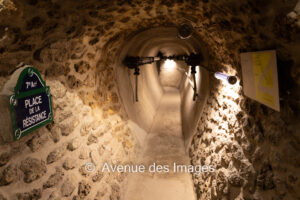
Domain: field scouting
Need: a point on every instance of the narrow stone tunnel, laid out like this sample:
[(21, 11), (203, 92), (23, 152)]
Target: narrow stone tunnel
[(79, 48)]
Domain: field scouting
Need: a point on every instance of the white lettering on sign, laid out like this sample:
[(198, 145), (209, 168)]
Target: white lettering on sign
[(28, 121), (34, 110), (31, 84), (37, 109), (31, 111), (33, 102)]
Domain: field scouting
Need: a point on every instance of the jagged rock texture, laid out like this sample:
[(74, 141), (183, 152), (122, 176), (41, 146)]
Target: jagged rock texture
[(74, 43)]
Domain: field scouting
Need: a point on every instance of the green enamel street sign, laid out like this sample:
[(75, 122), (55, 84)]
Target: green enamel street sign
[(30, 105)]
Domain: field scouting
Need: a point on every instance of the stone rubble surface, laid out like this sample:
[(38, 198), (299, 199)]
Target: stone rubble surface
[(74, 44)]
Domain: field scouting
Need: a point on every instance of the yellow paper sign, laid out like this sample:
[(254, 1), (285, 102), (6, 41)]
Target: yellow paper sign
[(260, 79)]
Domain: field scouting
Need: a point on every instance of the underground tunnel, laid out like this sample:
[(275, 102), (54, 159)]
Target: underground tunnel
[(149, 100)]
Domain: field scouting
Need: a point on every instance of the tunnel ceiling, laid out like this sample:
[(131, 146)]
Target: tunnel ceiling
[(53, 35), (227, 27)]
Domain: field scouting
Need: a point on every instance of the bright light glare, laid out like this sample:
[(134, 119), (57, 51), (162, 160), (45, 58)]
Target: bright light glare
[(221, 76), (227, 78), (170, 64), (190, 77), (230, 90), (198, 72)]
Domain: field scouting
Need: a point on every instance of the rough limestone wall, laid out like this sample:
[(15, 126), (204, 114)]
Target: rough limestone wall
[(51, 163), (254, 149), (88, 127), (74, 43)]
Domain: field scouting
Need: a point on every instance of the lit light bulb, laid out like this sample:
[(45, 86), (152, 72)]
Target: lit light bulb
[(170, 64), (224, 77)]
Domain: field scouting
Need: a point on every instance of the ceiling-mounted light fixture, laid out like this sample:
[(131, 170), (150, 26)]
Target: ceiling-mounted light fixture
[(192, 61), (169, 65), (224, 77), (185, 31)]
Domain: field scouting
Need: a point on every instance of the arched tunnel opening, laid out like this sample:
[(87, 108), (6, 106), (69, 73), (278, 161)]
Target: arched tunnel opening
[(158, 78), (165, 109), (108, 135)]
